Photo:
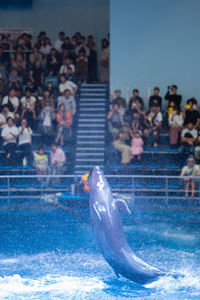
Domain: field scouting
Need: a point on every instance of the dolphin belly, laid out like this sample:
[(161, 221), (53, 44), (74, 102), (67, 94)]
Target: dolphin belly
[(108, 231)]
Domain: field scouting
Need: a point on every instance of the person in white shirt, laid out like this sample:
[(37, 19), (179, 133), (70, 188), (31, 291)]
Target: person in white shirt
[(29, 108), (67, 63), (59, 42), (67, 84), (175, 122), (4, 115), (10, 135), (25, 142), (68, 100), (188, 139), (11, 100)]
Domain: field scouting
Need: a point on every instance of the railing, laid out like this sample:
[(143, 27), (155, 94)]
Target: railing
[(139, 186)]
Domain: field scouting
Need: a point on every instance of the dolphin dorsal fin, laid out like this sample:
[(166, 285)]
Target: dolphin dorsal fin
[(122, 206)]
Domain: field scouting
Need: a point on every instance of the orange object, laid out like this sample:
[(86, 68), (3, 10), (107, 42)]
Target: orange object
[(84, 180)]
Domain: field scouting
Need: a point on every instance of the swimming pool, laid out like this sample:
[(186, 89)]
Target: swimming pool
[(48, 253)]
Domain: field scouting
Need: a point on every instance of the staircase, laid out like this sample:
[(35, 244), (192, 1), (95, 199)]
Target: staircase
[(90, 143)]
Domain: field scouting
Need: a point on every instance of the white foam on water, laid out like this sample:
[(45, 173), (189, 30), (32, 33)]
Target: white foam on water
[(15, 286)]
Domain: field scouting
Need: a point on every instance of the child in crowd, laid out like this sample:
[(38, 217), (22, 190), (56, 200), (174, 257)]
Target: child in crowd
[(136, 145), (41, 161)]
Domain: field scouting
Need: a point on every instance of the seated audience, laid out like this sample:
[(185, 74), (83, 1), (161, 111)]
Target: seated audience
[(191, 114), (67, 63), (5, 114), (28, 103), (188, 172), (120, 101), (66, 84), (188, 139), (64, 120), (120, 144), (53, 62), (155, 98), (12, 101), (68, 100), (175, 126), (154, 117), (58, 160), (41, 161), (35, 56), (132, 102), (4, 62), (136, 144), (13, 82), (115, 119), (25, 142), (10, 135), (173, 96), (37, 74), (18, 61)]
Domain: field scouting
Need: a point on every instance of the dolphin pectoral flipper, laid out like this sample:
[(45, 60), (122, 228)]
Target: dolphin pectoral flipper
[(122, 206)]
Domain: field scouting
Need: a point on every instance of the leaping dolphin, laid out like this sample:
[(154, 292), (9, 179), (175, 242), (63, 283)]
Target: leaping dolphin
[(108, 231)]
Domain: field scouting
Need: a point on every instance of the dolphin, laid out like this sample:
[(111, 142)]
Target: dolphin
[(108, 231)]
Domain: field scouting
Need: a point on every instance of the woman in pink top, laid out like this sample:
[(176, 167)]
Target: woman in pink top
[(137, 145)]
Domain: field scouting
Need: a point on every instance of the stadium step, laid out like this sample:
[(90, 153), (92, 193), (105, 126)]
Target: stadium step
[(90, 139)]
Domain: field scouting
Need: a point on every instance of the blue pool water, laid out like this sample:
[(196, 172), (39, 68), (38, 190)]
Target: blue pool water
[(48, 253)]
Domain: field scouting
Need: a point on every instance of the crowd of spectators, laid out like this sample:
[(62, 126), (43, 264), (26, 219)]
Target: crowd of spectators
[(133, 124), (38, 86)]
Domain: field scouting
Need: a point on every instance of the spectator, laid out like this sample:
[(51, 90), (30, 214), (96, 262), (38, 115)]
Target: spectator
[(46, 46), (120, 101), (5, 114), (37, 74), (155, 98), (59, 41), (68, 101), (67, 63), (14, 82), (10, 135), (104, 62), (115, 119), (47, 98), (41, 161), (66, 47), (191, 114), (188, 172), (66, 84), (64, 120), (53, 62), (188, 139), (92, 60), (175, 124), (18, 60), (173, 96), (25, 142), (58, 160), (46, 118), (136, 145), (82, 47), (82, 66), (154, 117), (35, 56), (135, 98), (4, 61), (29, 108), (12, 101), (119, 143)]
